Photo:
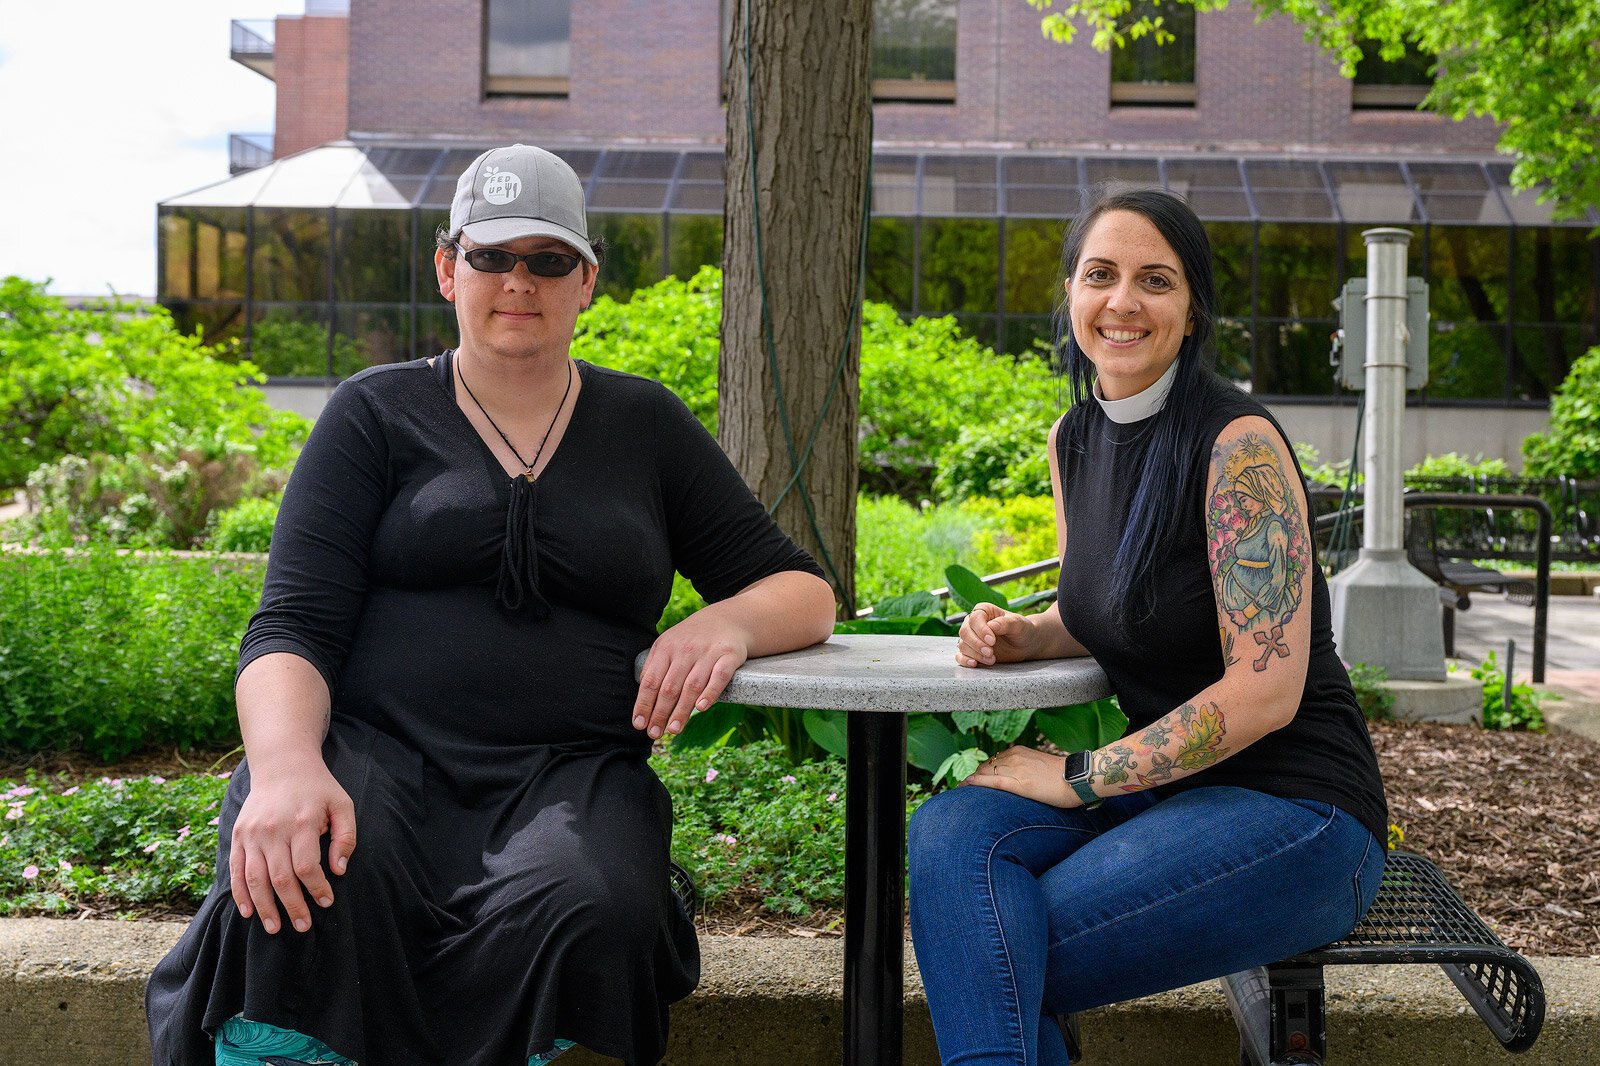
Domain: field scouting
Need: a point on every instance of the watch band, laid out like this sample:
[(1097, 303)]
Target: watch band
[(1076, 772)]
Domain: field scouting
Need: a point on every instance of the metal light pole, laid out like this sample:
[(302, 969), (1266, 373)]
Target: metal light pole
[(1385, 612)]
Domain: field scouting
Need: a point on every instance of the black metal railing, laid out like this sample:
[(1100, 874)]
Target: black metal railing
[(1471, 502), (1490, 532)]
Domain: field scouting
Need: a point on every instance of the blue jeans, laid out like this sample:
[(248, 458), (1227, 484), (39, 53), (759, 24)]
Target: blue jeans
[(1021, 911)]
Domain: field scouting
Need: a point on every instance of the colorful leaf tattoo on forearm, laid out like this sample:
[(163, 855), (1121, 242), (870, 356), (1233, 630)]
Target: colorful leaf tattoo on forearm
[(1257, 545), (1176, 745)]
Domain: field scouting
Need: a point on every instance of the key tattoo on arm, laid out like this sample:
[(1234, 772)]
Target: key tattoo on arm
[(1257, 545)]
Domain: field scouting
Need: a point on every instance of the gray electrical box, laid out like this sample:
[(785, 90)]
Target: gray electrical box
[(1352, 307)]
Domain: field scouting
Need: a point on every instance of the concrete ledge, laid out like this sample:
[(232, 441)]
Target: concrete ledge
[(1562, 582), (71, 994), (1572, 711), (1457, 700)]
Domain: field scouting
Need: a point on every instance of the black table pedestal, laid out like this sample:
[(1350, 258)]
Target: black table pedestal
[(874, 889)]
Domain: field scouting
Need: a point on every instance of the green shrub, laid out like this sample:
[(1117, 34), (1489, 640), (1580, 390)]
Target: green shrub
[(1372, 691), (1524, 712), (669, 331), (162, 500), (119, 381), (683, 602), (108, 654), (922, 381), (746, 821), (1572, 447), (901, 548), (1003, 457), (244, 527), (1014, 532), (748, 826), (1453, 465), (135, 842)]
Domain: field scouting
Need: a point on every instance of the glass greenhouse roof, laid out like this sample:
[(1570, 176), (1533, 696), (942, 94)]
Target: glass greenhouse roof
[(938, 184)]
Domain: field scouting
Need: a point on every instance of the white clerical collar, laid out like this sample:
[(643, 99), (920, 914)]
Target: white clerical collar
[(1141, 405)]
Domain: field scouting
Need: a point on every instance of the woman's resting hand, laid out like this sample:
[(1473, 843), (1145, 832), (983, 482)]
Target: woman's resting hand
[(991, 634), (277, 841), (688, 667), (1028, 773)]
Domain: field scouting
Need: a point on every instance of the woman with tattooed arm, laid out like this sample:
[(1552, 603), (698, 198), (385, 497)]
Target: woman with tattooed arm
[(1242, 818)]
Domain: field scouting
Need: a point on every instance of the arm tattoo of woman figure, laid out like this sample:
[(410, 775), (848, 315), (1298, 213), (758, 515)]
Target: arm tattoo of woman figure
[(1175, 745), (1258, 546)]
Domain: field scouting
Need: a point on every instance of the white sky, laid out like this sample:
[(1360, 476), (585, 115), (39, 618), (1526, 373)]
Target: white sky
[(106, 107)]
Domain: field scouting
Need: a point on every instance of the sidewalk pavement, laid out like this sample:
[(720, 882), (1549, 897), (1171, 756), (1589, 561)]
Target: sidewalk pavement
[(1572, 646)]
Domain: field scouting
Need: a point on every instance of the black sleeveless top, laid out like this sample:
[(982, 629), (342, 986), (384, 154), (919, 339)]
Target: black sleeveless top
[(1159, 662)]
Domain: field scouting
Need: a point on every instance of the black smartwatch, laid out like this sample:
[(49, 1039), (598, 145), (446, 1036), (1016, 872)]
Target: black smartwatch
[(1077, 775)]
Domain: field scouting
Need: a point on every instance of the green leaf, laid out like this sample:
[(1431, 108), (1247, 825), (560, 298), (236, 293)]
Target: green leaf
[(929, 742), (926, 626), (711, 727), (960, 765), (967, 721), (827, 729), (1007, 726), (1042, 596), (916, 605), (1082, 726), (969, 590)]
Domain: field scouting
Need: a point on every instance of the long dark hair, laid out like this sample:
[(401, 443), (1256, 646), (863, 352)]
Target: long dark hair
[(1169, 464)]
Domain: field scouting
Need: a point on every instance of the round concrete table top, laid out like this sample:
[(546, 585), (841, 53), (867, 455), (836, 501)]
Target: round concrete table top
[(899, 674)]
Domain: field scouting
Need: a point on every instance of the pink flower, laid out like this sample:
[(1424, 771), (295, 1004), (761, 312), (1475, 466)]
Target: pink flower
[(215, 821), (115, 782), (20, 790), (711, 774), (224, 775), (29, 872), (157, 780), (66, 867), (832, 796), (787, 779), (726, 838), (152, 846), (14, 813), (183, 832), (73, 791)]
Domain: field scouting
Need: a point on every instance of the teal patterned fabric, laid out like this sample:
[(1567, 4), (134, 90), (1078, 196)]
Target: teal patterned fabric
[(549, 1056), (245, 1043)]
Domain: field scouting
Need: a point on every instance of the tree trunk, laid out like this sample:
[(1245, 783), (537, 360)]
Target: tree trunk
[(808, 90)]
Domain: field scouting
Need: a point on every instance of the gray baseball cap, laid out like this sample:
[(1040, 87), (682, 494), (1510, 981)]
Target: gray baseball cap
[(520, 191)]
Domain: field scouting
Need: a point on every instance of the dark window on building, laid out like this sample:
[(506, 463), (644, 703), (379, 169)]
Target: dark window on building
[(1468, 290), (634, 257), (914, 50), (1147, 74), (1390, 84), (526, 47)]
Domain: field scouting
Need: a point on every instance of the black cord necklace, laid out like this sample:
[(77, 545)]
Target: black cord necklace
[(519, 557), (527, 467)]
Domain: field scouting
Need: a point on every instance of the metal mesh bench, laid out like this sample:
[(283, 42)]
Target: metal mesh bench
[(1416, 918)]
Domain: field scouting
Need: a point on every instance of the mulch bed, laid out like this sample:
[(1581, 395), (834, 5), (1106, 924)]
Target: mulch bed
[(1513, 819)]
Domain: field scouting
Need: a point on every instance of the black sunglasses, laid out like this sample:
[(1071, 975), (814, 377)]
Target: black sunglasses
[(500, 261)]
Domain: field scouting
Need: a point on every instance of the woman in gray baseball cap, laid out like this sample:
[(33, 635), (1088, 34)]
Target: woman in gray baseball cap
[(445, 844)]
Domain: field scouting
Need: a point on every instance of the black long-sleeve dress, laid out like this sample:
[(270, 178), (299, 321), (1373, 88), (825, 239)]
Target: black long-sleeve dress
[(509, 882)]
